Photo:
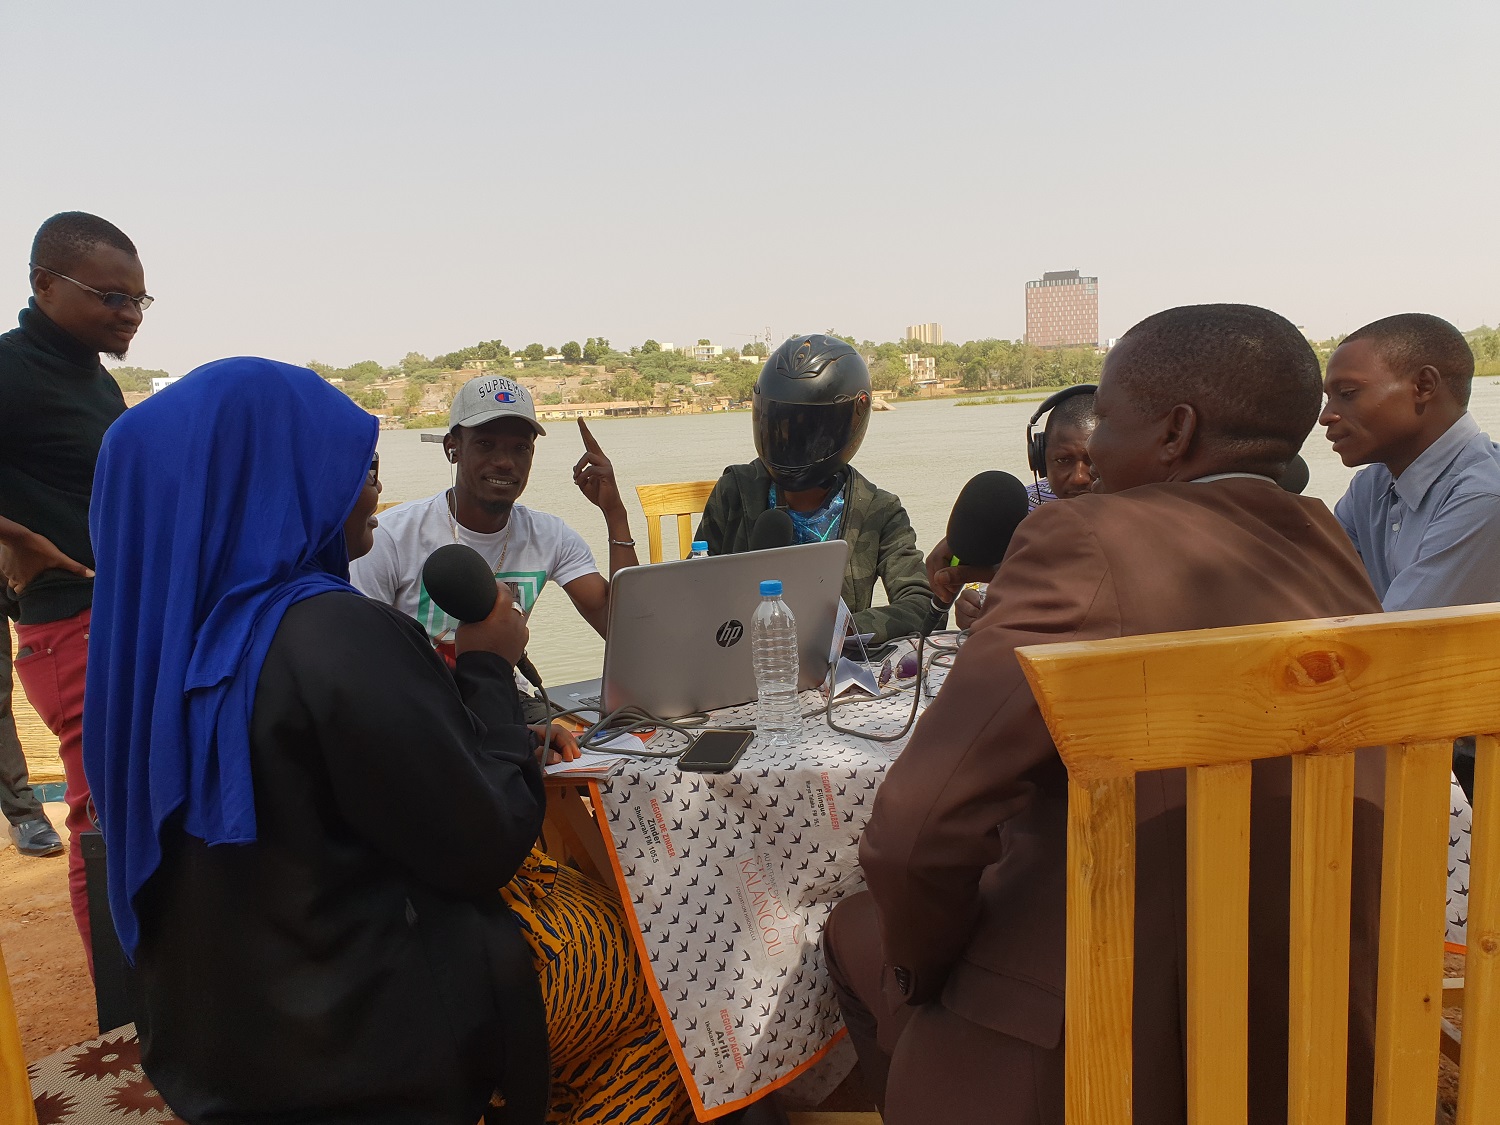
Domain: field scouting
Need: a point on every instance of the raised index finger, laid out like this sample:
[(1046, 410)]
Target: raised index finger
[(589, 441)]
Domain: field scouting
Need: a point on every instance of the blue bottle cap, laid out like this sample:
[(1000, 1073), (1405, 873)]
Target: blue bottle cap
[(700, 545), (770, 588)]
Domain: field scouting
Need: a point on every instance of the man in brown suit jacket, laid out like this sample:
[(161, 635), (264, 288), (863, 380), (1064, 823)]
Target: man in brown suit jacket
[(950, 968)]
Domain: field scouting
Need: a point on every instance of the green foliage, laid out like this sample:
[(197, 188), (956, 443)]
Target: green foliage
[(1484, 341), (136, 379), (571, 352), (705, 341), (888, 374), (552, 398), (755, 348), (597, 349), (649, 347), (487, 350), (534, 353), (370, 399), (413, 362), (738, 381), (366, 371), (411, 396), (426, 422), (551, 351)]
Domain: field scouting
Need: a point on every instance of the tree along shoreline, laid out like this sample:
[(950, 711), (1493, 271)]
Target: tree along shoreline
[(416, 392)]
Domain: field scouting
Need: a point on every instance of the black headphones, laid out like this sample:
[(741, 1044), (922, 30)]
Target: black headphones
[(1036, 444)]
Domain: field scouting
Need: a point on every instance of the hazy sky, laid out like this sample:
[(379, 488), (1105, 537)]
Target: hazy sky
[(355, 180)]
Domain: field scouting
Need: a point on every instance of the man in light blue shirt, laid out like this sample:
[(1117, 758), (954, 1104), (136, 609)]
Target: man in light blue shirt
[(1425, 515)]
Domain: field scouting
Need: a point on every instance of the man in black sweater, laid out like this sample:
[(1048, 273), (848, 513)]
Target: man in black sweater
[(56, 401)]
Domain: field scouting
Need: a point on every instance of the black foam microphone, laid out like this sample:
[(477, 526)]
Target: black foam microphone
[(984, 517), (772, 528), (462, 585), (1295, 476)]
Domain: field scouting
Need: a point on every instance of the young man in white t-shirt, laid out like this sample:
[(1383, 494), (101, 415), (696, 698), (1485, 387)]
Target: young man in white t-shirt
[(491, 439)]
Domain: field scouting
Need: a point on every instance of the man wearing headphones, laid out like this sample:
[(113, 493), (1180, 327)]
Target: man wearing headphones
[(1059, 462), (491, 439), (1059, 455), (811, 409)]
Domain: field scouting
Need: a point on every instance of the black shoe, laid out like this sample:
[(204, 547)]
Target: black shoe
[(36, 838)]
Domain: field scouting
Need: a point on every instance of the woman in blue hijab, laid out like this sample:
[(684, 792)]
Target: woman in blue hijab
[(268, 752)]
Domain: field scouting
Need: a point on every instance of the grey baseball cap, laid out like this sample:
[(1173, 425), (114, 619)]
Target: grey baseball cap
[(489, 397)]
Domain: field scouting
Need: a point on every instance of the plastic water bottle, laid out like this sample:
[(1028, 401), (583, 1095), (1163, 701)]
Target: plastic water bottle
[(773, 649), (700, 549)]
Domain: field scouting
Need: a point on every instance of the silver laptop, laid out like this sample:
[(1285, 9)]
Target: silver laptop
[(679, 632)]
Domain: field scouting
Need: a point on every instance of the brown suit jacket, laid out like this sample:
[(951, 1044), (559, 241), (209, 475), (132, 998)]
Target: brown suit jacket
[(965, 850)]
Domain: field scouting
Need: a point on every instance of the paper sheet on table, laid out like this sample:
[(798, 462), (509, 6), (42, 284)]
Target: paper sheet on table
[(843, 640), (849, 675), (597, 760)]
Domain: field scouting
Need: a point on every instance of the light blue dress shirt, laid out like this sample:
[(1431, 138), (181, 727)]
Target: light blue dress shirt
[(1432, 537)]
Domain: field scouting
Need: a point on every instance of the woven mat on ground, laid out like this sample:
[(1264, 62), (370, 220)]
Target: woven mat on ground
[(97, 1083)]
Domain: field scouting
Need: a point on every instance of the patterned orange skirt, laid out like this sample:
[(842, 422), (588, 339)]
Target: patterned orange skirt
[(610, 1058)]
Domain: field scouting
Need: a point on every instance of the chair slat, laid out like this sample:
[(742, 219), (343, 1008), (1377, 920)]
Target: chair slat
[(1479, 1077), (1169, 700), (653, 540), (1218, 936), (1100, 951), (1413, 900), (1322, 859), (684, 536)]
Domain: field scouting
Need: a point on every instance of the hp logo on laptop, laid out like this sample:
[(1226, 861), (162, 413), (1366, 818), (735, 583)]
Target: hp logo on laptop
[(729, 634)]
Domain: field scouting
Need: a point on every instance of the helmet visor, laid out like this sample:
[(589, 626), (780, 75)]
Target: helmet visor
[(795, 436)]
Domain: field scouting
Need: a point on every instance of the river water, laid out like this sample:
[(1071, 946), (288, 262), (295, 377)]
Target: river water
[(922, 451)]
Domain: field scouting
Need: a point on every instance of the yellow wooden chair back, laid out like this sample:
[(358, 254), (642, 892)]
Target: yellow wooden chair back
[(15, 1085), (1212, 702), (683, 500)]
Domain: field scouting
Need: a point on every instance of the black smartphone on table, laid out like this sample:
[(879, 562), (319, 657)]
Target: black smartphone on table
[(715, 751)]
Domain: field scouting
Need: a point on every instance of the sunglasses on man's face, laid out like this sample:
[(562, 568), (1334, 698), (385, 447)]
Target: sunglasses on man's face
[(374, 470), (111, 301)]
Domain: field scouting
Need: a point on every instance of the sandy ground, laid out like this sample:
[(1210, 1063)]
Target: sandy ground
[(43, 952)]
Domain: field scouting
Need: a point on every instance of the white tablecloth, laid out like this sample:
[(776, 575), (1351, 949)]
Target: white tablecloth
[(731, 877)]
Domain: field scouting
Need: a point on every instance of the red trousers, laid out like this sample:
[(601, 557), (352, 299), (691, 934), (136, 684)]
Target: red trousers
[(52, 677)]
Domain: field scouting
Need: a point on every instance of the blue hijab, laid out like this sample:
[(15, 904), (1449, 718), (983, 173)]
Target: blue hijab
[(218, 503)]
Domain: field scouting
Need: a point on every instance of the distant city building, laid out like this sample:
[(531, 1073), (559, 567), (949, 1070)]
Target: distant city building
[(1062, 311), (921, 367), (704, 351), (161, 384), (925, 333), (666, 347)]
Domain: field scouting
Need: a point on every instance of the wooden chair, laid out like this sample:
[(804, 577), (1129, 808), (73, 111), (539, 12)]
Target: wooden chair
[(1212, 702), (683, 500)]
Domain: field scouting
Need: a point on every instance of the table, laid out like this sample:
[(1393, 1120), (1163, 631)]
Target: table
[(729, 879)]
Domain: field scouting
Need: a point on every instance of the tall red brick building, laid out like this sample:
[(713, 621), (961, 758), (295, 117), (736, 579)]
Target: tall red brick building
[(1062, 311)]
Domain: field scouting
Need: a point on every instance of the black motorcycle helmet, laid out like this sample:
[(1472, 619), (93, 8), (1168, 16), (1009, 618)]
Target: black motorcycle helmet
[(811, 408)]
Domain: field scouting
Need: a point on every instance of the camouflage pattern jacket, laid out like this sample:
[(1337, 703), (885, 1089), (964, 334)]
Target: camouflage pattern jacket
[(881, 542)]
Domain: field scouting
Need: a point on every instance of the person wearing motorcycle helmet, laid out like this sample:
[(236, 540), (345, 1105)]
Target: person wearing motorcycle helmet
[(810, 411)]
